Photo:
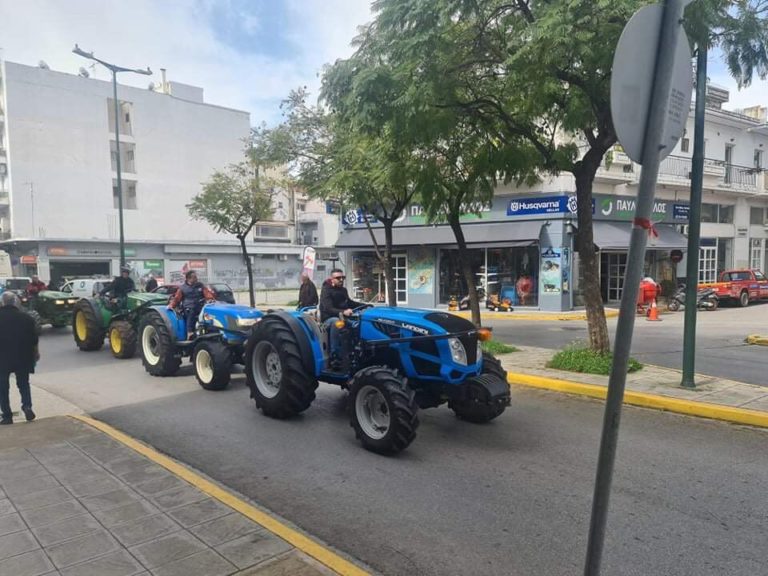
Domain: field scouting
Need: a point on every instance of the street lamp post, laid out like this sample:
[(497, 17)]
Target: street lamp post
[(114, 69)]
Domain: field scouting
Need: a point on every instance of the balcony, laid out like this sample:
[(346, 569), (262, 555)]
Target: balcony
[(616, 168), (717, 174)]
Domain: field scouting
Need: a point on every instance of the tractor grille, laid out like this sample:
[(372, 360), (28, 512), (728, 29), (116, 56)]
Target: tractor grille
[(388, 329)]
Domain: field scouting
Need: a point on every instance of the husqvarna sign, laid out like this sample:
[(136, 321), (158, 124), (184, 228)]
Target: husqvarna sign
[(563, 204)]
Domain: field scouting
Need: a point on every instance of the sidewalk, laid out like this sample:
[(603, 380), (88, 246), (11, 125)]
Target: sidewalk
[(75, 500), (653, 387), (532, 314)]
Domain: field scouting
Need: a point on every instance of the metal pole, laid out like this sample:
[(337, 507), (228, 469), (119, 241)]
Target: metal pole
[(673, 10), (694, 220), (119, 170), (32, 200)]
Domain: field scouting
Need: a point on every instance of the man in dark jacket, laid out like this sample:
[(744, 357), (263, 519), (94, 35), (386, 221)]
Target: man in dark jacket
[(151, 284), (189, 299), (334, 298), (18, 355), (121, 285), (307, 292)]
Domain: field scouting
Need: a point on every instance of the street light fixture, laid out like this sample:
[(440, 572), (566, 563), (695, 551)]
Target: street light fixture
[(115, 69)]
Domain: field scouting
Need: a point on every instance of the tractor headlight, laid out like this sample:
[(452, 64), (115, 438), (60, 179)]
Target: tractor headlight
[(247, 322), (458, 352), (72, 301), (60, 302)]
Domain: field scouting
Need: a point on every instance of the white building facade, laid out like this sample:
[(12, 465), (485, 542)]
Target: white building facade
[(58, 181)]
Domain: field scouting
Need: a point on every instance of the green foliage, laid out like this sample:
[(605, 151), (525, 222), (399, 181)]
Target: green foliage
[(497, 348), (585, 360), (233, 200)]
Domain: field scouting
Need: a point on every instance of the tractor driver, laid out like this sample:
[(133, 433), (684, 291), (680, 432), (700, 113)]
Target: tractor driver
[(120, 286), (335, 302), (36, 286), (192, 295)]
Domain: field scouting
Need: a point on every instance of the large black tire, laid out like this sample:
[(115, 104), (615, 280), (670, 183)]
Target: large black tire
[(158, 348), (474, 405), (86, 327), (279, 383), (213, 364), (382, 410), (35, 315), (744, 299), (122, 339)]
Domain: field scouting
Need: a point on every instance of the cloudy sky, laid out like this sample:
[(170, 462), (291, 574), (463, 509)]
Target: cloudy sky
[(246, 54)]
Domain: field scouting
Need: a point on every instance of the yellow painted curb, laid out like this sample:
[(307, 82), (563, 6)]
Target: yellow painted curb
[(542, 317), (294, 537), (757, 340), (688, 407)]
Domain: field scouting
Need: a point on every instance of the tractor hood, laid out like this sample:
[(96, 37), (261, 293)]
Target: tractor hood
[(140, 298), (230, 316), (418, 322), (53, 295)]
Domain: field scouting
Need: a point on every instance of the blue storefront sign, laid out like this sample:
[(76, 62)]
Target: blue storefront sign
[(563, 204), (681, 211)]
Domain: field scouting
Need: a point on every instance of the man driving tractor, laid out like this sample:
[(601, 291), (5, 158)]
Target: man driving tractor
[(36, 286), (335, 302), (192, 295), (120, 287)]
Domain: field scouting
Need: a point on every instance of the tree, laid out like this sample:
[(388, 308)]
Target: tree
[(536, 77), (332, 160), (233, 201)]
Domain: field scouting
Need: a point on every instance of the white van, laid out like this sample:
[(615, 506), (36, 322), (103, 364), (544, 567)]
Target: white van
[(85, 287)]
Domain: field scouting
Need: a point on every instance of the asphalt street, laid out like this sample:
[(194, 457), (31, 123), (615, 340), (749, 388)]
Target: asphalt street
[(510, 498), (720, 347)]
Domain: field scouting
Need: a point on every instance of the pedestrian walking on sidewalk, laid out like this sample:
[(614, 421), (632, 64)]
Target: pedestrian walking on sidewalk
[(18, 355), (307, 292)]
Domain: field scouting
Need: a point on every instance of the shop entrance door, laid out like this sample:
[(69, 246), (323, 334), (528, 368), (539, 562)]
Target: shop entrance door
[(707, 264), (613, 267), (400, 269)]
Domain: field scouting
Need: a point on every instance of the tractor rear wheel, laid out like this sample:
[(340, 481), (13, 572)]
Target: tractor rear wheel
[(475, 404), (383, 410), (158, 350), (35, 315), (279, 383), (213, 365), (122, 339), (86, 327)]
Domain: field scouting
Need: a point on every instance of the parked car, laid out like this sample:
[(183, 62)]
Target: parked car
[(14, 284), (85, 287), (221, 291), (740, 286)]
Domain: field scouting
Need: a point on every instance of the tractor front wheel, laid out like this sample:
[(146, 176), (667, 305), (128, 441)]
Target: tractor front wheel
[(383, 410), (213, 365), (158, 350), (279, 383), (475, 403), (86, 327), (122, 339), (38, 320)]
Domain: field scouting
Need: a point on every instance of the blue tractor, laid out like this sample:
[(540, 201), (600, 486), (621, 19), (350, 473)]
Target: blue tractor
[(218, 343), (392, 361)]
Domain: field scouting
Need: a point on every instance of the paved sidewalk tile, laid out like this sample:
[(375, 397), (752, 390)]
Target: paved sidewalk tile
[(252, 549), (66, 529), (42, 499), (11, 523), (167, 549), (206, 563), (199, 512), (81, 549), (144, 529), (224, 529), (17, 543), (135, 510), (53, 513), (118, 563), (30, 564), (6, 507)]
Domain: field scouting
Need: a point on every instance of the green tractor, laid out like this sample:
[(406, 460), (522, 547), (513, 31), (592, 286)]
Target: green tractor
[(49, 307), (94, 319)]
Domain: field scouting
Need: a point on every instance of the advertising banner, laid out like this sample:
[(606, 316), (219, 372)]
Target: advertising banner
[(421, 271), (178, 268), (551, 277)]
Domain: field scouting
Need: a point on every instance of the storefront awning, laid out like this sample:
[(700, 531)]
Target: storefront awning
[(477, 235), (616, 235)]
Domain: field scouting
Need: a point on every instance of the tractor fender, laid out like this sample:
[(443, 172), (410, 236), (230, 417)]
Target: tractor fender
[(302, 340), (92, 304), (165, 314)]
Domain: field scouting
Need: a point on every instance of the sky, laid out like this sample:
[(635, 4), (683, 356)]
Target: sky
[(246, 54)]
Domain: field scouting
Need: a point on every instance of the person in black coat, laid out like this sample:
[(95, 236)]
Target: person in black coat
[(307, 292), (18, 355), (151, 284), (334, 298)]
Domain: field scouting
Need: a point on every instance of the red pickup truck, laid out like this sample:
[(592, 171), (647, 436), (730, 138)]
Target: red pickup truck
[(742, 286)]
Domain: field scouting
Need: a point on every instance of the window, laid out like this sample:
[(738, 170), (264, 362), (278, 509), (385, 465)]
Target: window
[(717, 213), (302, 206), (129, 196), (125, 117), (725, 215), (728, 163), (271, 232), (757, 215), (685, 144), (756, 254), (127, 157), (758, 160), (400, 270), (707, 263), (724, 254), (709, 212)]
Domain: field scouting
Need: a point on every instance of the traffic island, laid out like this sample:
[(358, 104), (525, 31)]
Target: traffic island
[(653, 387)]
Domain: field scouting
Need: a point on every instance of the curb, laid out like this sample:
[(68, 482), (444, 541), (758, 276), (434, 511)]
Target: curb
[(687, 407), (298, 540), (757, 340), (542, 317)]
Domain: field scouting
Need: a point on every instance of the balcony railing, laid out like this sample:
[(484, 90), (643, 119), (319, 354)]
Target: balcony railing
[(728, 175)]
